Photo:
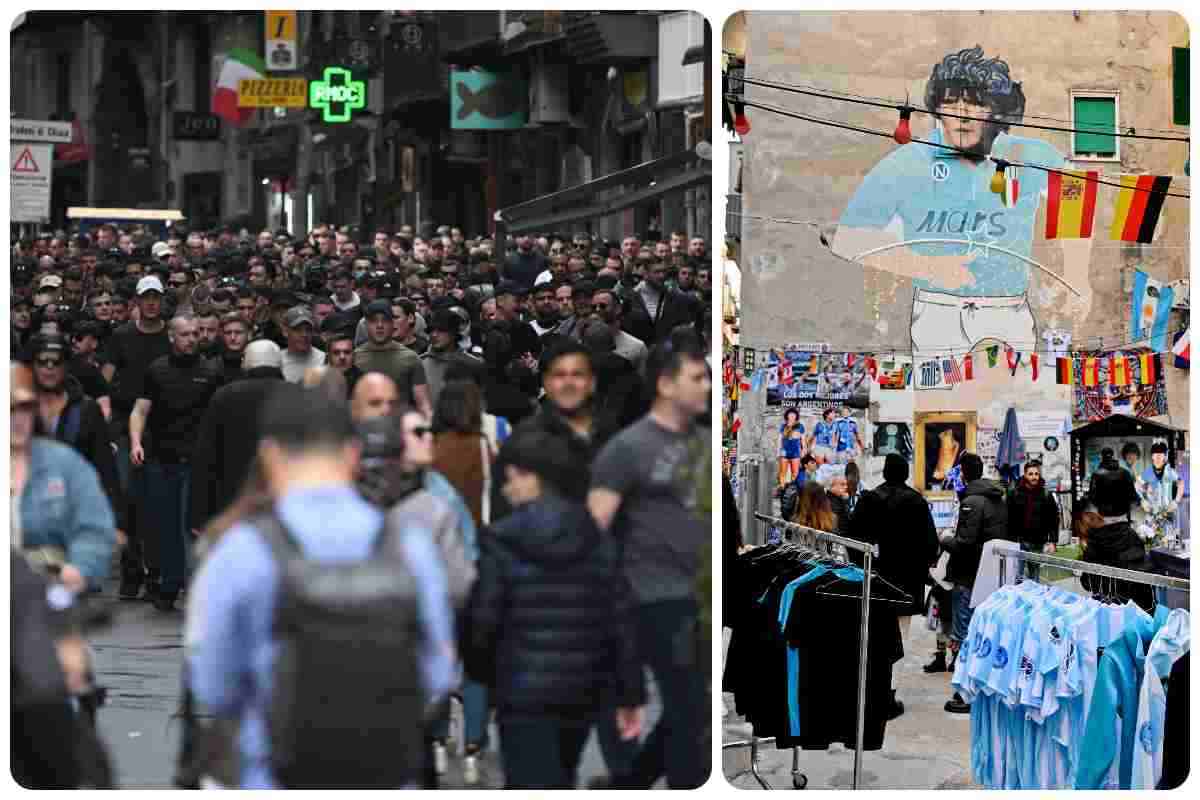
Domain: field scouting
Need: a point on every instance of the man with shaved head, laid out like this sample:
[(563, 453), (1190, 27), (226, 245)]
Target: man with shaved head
[(174, 395), (375, 395)]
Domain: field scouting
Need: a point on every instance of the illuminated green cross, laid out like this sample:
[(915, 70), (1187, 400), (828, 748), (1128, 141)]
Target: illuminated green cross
[(337, 90)]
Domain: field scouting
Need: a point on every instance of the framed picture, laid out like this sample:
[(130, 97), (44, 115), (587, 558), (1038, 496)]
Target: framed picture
[(941, 439)]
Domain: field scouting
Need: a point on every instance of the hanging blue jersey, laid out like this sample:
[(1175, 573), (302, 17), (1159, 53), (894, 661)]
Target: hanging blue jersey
[(935, 194)]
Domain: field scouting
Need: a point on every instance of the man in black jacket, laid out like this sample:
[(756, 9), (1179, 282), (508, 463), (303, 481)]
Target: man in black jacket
[(228, 437), (1032, 512), (549, 624), (897, 518), (655, 310), (1116, 544), (982, 516), (73, 418)]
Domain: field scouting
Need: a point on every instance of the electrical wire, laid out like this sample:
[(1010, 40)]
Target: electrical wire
[(896, 105), (964, 151)]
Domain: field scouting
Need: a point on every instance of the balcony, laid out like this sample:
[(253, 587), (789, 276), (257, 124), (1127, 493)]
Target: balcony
[(612, 37)]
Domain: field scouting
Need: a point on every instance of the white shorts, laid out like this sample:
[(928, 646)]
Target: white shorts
[(822, 452), (946, 323)]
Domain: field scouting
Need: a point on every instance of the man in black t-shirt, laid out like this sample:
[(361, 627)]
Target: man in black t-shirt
[(127, 354), (175, 393)]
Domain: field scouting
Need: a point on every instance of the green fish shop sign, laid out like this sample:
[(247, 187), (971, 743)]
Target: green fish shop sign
[(338, 95), (481, 100)]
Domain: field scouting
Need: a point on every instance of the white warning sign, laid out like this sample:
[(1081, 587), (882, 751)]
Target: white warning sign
[(29, 171)]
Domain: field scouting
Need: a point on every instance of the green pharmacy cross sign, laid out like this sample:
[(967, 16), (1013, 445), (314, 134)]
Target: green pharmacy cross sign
[(338, 96)]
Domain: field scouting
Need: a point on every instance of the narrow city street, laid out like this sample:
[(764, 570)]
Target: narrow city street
[(140, 660)]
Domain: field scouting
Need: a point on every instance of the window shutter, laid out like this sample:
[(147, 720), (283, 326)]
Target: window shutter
[(1180, 84), (1096, 114)]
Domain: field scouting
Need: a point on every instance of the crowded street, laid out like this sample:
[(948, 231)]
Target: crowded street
[(345, 425)]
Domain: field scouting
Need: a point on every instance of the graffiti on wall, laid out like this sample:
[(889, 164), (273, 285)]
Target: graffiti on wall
[(925, 212)]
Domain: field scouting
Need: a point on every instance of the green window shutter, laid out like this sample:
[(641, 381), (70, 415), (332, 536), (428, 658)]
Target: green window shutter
[(1180, 85), (1096, 114)]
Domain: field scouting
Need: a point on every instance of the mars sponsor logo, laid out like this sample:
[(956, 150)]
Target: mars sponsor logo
[(963, 221)]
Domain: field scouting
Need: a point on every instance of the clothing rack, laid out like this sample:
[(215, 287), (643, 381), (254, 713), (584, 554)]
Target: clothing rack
[(870, 552), (1101, 570)]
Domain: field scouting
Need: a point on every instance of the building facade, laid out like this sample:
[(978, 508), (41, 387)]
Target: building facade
[(827, 253)]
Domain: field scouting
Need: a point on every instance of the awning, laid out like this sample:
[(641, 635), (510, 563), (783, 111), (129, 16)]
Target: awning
[(645, 182)]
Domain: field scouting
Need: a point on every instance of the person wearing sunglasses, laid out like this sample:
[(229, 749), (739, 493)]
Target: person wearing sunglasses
[(60, 505), (70, 416), (606, 307)]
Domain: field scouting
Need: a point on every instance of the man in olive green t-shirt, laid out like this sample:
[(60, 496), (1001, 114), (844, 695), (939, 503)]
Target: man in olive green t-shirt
[(381, 354)]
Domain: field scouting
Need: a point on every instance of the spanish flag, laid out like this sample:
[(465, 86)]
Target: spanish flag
[(1118, 371), (1138, 206), (1149, 371), (1091, 371), (1064, 371), (1072, 205)]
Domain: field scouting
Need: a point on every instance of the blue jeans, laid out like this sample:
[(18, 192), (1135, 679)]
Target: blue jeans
[(475, 716), (960, 599), (666, 642), (166, 506), (541, 752)]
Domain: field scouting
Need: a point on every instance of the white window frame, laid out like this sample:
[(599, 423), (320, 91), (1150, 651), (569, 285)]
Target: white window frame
[(1102, 94)]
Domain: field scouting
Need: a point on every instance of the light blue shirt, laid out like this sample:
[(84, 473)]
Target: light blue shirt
[(847, 430), (935, 194), (231, 647)]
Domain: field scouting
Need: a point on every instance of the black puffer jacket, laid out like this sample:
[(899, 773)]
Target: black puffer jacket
[(982, 516), (1117, 545), (549, 625)]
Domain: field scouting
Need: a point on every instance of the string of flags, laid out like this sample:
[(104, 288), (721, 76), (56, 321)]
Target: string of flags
[(950, 370), (1071, 206)]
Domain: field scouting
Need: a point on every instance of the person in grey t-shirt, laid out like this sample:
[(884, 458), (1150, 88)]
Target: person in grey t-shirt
[(645, 491)]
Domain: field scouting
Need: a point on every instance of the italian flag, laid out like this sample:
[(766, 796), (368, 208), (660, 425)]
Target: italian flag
[(240, 65)]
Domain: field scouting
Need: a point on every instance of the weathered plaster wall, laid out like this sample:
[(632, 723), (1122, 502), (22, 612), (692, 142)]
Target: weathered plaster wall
[(795, 288)]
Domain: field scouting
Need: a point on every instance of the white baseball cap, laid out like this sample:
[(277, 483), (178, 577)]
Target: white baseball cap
[(150, 283), (160, 249)]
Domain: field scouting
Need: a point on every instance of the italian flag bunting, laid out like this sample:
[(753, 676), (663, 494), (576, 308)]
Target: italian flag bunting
[(240, 65)]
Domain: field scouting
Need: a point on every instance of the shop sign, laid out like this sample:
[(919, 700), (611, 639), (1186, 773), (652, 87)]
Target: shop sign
[(273, 92), (195, 125), (485, 100), (338, 96)]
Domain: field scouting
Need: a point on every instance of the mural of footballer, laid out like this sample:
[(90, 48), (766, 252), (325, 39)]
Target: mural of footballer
[(964, 290)]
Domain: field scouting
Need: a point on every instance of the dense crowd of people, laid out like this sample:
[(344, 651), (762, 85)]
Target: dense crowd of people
[(497, 451)]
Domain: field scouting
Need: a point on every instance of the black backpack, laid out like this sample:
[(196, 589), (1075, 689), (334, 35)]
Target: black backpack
[(347, 710)]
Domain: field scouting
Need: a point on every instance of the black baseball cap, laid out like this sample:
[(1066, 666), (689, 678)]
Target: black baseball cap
[(379, 307)]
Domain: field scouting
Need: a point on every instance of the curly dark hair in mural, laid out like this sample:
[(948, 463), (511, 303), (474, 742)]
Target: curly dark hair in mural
[(985, 82)]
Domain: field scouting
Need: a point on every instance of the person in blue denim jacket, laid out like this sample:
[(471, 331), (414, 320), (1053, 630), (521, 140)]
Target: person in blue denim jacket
[(57, 495)]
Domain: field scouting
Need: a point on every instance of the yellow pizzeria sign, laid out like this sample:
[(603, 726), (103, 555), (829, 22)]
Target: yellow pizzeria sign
[(272, 93)]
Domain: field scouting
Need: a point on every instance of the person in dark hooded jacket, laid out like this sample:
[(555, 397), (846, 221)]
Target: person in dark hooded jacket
[(549, 625), (982, 516), (1116, 544), (897, 518), (228, 437)]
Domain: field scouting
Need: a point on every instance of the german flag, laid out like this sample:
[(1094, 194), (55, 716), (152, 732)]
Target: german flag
[(1138, 207), (1072, 205), (1091, 371), (1149, 368), (1118, 371), (1064, 372)]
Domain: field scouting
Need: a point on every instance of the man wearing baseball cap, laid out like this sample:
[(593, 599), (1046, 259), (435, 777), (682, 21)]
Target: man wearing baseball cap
[(444, 352), (381, 353), (128, 353), (300, 355)]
